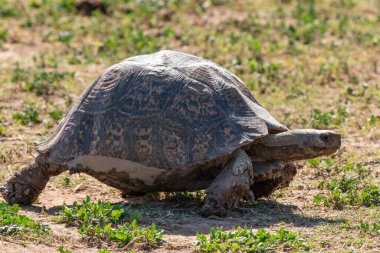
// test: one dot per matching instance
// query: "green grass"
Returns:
(61, 249)
(325, 120)
(3, 125)
(349, 192)
(309, 25)
(14, 224)
(29, 115)
(6, 10)
(371, 228)
(56, 114)
(345, 185)
(246, 240)
(41, 82)
(109, 222)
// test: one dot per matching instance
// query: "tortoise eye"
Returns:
(325, 138)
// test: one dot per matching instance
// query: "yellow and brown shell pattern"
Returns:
(159, 112)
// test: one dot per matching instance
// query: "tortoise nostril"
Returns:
(325, 138)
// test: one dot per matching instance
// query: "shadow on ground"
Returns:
(183, 218)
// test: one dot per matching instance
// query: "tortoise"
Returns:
(170, 121)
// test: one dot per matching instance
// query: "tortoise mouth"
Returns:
(319, 148)
(324, 150)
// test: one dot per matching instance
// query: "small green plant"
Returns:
(3, 36)
(358, 91)
(56, 114)
(101, 212)
(67, 5)
(30, 115)
(359, 169)
(6, 10)
(66, 181)
(372, 228)
(65, 36)
(245, 240)
(267, 74)
(374, 120)
(14, 224)
(40, 82)
(309, 25)
(328, 166)
(323, 165)
(103, 251)
(321, 119)
(3, 124)
(124, 234)
(106, 221)
(61, 249)
(346, 191)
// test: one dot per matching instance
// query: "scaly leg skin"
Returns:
(278, 176)
(230, 186)
(25, 186)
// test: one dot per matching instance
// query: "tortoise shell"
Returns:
(166, 110)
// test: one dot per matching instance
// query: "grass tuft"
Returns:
(30, 115)
(246, 240)
(346, 191)
(14, 224)
(40, 82)
(321, 119)
(109, 222)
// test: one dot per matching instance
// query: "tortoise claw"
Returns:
(249, 196)
(211, 208)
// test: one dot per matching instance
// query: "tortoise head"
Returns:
(298, 145)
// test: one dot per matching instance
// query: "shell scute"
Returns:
(146, 95)
(194, 107)
(175, 146)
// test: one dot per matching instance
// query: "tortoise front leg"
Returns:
(230, 186)
(25, 186)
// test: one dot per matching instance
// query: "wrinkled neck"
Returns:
(279, 140)
(276, 153)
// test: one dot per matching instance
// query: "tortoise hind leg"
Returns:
(230, 186)
(25, 186)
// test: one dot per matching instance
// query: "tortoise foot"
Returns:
(25, 186)
(19, 193)
(213, 208)
(230, 186)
